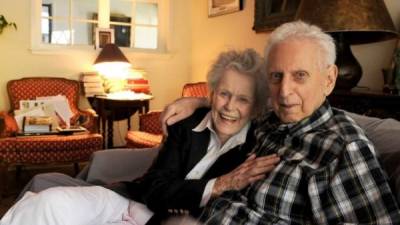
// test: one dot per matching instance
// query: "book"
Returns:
(91, 78)
(138, 85)
(37, 124)
(71, 129)
(92, 84)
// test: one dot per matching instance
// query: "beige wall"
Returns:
(166, 73)
(234, 31)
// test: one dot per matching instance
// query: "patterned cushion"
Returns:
(150, 122)
(49, 148)
(57, 148)
(198, 89)
(30, 88)
(8, 154)
(139, 139)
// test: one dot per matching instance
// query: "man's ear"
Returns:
(330, 81)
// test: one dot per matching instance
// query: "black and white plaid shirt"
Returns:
(328, 174)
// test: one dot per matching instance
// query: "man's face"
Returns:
(297, 83)
(232, 103)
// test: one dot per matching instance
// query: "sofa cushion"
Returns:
(385, 134)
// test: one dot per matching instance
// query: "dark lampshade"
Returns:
(111, 55)
(349, 22)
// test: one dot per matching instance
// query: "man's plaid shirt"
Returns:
(328, 174)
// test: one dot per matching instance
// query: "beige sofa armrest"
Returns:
(115, 165)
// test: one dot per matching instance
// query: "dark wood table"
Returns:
(112, 109)
(369, 103)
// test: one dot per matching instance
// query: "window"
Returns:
(46, 23)
(137, 24)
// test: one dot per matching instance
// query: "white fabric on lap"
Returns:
(68, 206)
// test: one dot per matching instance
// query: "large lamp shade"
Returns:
(111, 56)
(349, 22)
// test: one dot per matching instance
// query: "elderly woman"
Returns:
(203, 156)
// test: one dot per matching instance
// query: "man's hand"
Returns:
(180, 109)
(251, 170)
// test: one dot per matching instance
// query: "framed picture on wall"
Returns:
(269, 14)
(220, 7)
(103, 37)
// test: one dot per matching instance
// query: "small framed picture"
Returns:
(269, 14)
(103, 37)
(220, 7)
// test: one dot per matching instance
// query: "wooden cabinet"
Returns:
(369, 103)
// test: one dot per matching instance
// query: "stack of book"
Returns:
(138, 85)
(37, 124)
(92, 84)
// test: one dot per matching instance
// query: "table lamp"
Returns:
(349, 22)
(111, 57)
(113, 64)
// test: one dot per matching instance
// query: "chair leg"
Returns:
(18, 171)
(76, 168)
(3, 180)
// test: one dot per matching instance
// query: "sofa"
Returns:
(128, 164)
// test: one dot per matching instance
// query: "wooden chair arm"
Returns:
(8, 125)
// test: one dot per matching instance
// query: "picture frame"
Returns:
(269, 14)
(122, 31)
(221, 7)
(103, 36)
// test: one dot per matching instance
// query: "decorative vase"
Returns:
(396, 69)
(389, 85)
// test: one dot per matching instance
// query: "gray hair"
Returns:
(300, 29)
(247, 62)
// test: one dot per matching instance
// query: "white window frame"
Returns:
(163, 45)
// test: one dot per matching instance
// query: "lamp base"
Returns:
(350, 71)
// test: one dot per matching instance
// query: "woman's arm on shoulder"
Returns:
(181, 109)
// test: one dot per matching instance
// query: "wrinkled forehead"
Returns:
(294, 54)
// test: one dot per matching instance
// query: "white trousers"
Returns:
(92, 205)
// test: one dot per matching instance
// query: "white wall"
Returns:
(213, 35)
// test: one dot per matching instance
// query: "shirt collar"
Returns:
(320, 116)
(205, 123)
(271, 130)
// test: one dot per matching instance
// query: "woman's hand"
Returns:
(251, 170)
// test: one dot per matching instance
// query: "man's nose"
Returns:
(285, 86)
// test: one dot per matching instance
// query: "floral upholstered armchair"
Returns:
(150, 133)
(26, 150)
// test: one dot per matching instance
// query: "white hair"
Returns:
(300, 29)
(247, 62)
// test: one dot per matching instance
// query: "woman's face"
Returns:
(232, 103)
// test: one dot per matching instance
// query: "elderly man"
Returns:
(328, 173)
